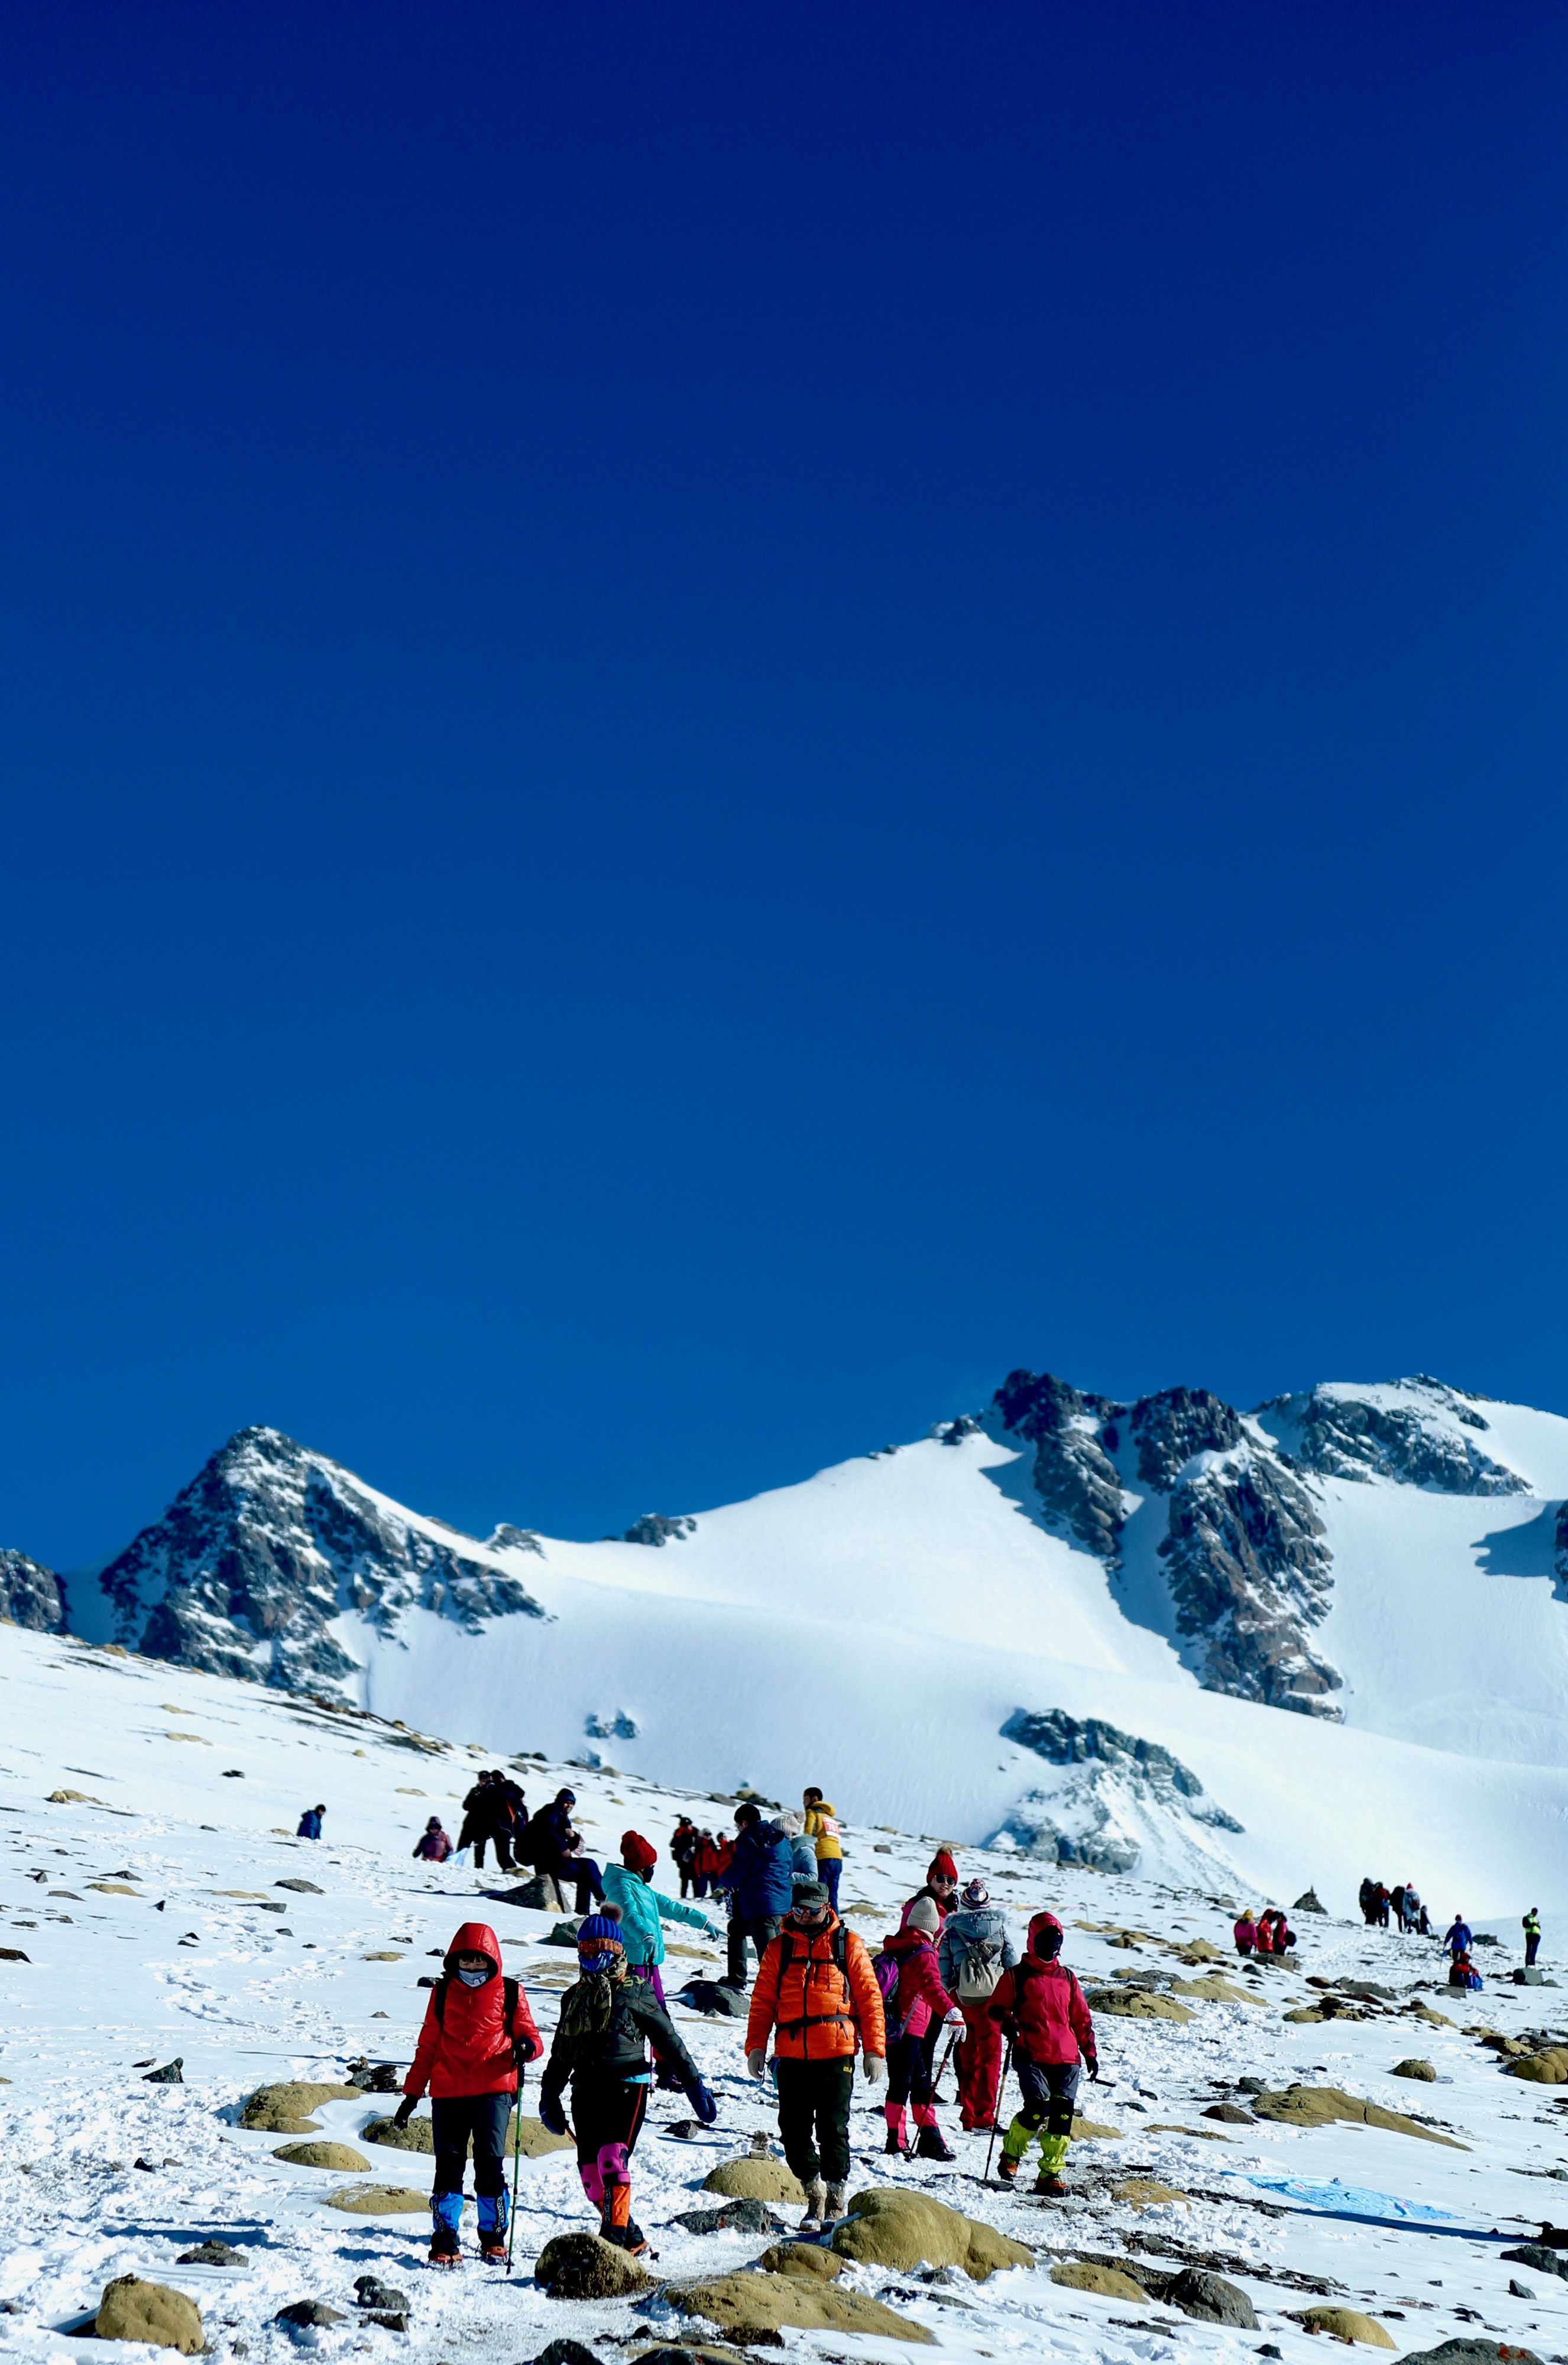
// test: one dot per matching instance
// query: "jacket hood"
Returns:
(1045, 1926)
(474, 1938)
(907, 1941)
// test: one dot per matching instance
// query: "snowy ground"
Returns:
(198, 1784)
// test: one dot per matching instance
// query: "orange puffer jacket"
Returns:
(818, 1989)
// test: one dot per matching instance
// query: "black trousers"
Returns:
(1049, 2089)
(814, 2117)
(911, 2070)
(456, 2117)
(761, 1929)
(1532, 1940)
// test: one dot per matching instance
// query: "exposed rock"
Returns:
(1145, 2192)
(1210, 2299)
(268, 1544)
(506, 1537)
(752, 2179)
(1308, 1902)
(379, 2201)
(312, 2312)
(212, 2253)
(305, 1887)
(745, 2306)
(1076, 1480)
(654, 1528)
(1545, 2068)
(286, 2110)
(1106, 2283)
(341, 2157)
(1113, 1788)
(1344, 2322)
(1173, 1426)
(133, 2310)
(802, 2259)
(1407, 1431)
(900, 2228)
(172, 2073)
(1545, 2262)
(1472, 2352)
(568, 2352)
(1230, 2114)
(31, 1594)
(618, 1727)
(745, 2216)
(714, 1999)
(1250, 1575)
(533, 2139)
(1137, 2003)
(371, 2292)
(1414, 2068)
(1318, 2106)
(579, 2266)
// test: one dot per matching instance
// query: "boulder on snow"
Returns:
(580, 2266)
(564, 1933)
(1309, 1902)
(747, 2306)
(743, 2216)
(378, 2200)
(172, 2073)
(1106, 2283)
(1318, 2106)
(286, 2110)
(802, 2259)
(1231, 2113)
(1423, 2070)
(1137, 2003)
(900, 2228)
(1145, 2191)
(568, 2352)
(305, 1887)
(212, 2253)
(133, 2310)
(307, 2312)
(533, 2139)
(1344, 2322)
(369, 2291)
(1548, 2067)
(1210, 2299)
(754, 2179)
(714, 2000)
(1544, 2260)
(540, 1895)
(1472, 2352)
(1093, 2131)
(341, 2157)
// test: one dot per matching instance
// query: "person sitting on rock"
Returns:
(432, 1844)
(1462, 1972)
(1042, 2011)
(477, 2030)
(601, 2047)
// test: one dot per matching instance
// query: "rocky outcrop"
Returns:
(1249, 1577)
(1113, 1800)
(1417, 1431)
(1077, 1481)
(31, 1594)
(507, 1538)
(253, 1562)
(654, 1528)
(1171, 1427)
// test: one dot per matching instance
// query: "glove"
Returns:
(405, 2111)
(701, 2101)
(1094, 2068)
(876, 2069)
(551, 2115)
(956, 2018)
(527, 2048)
(756, 2062)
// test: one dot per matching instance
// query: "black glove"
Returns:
(405, 2111)
(1093, 2060)
(701, 2101)
(551, 2115)
(526, 2048)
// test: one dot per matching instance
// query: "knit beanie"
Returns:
(923, 1915)
(976, 1894)
(598, 1942)
(635, 1853)
(942, 1864)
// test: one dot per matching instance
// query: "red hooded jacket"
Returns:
(468, 2050)
(920, 1995)
(1043, 2004)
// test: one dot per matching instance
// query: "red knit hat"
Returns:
(635, 1853)
(942, 1863)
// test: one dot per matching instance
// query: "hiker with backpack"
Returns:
(433, 1844)
(478, 2031)
(706, 1863)
(1458, 1937)
(1245, 1932)
(758, 1880)
(683, 1851)
(1042, 2010)
(822, 1830)
(941, 1884)
(916, 2008)
(816, 1989)
(601, 2048)
(975, 1950)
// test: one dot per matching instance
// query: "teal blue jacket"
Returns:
(641, 1908)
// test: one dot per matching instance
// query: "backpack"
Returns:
(979, 1968)
(888, 1968)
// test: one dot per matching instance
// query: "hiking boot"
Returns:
(1007, 2168)
(629, 2237)
(931, 2144)
(816, 2194)
(896, 2143)
(1050, 2186)
(444, 2251)
(492, 2250)
(833, 2204)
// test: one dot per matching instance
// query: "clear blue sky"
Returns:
(712, 719)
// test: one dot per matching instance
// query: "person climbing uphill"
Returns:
(601, 2047)
(919, 2006)
(1459, 1937)
(311, 1823)
(974, 1952)
(433, 1844)
(822, 1830)
(815, 1986)
(478, 2029)
(1041, 2008)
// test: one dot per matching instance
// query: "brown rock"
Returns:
(752, 2179)
(1414, 2068)
(579, 2266)
(133, 2310)
(378, 2200)
(1344, 2322)
(743, 2305)
(287, 2109)
(1107, 2282)
(900, 2228)
(1318, 2106)
(802, 2259)
(342, 2156)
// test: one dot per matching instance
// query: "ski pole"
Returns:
(996, 2115)
(516, 2160)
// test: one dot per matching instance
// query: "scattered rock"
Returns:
(748, 2306)
(341, 2157)
(1231, 2113)
(887, 2229)
(1308, 1902)
(1137, 2003)
(1145, 2191)
(564, 1933)
(752, 2179)
(1211, 2299)
(745, 2216)
(1317, 2106)
(302, 2312)
(802, 2259)
(533, 2139)
(572, 2352)
(305, 1887)
(1251, 2085)
(133, 2310)
(379, 2201)
(1472, 2352)
(1549, 2067)
(579, 2266)
(1344, 2322)
(1536, 2255)
(85, 1798)
(371, 2292)
(714, 1999)
(1414, 2068)
(15, 1954)
(286, 2110)
(212, 2253)
(1518, 2290)
(381, 1955)
(1109, 2282)
(1093, 2131)
(389, 2319)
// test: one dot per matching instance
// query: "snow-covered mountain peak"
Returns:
(1418, 1432)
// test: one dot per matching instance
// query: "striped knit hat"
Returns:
(598, 1942)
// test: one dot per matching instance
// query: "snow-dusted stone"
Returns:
(1344, 2322)
(897, 2228)
(1414, 2068)
(133, 2310)
(754, 2179)
(745, 2305)
(341, 2157)
(30, 1594)
(286, 2110)
(378, 2200)
(1106, 2283)
(1210, 2299)
(580, 2266)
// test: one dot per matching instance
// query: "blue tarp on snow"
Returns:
(1326, 2197)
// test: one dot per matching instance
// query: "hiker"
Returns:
(477, 2030)
(758, 1884)
(1410, 1911)
(600, 2047)
(496, 1819)
(683, 1853)
(432, 1844)
(1459, 1937)
(548, 1837)
(705, 1862)
(915, 2012)
(1532, 1926)
(311, 1823)
(1366, 1897)
(975, 1950)
(1274, 1935)
(1424, 1925)
(630, 1892)
(1396, 1900)
(1462, 1972)
(941, 1883)
(575, 1866)
(803, 1851)
(816, 1988)
(822, 1830)
(1382, 1906)
(474, 1829)
(1245, 1931)
(1041, 2008)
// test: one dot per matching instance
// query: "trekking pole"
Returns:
(996, 2115)
(516, 2161)
(936, 2082)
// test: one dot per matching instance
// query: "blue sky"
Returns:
(713, 720)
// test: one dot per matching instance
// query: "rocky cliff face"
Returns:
(1422, 1434)
(251, 1562)
(1108, 1795)
(30, 1594)
(1077, 1481)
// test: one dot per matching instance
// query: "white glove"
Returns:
(756, 2062)
(876, 2069)
(956, 2018)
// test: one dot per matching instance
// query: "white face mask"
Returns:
(472, 1979)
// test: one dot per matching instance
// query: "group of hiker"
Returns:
(1379, 1902)
(1264, 1932)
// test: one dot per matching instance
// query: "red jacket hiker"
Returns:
(920, 1996)
(468, 2050)
(1043, 2004)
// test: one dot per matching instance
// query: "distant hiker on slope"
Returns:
(803, 1850)
(1366, 1897)
(546, 1842)
(1532, 1925)
(1413, 1910)
(1245, 1932)
(822, 1830)
(816, 1987)
(1042, 2009)
(759, 1882)
(472, 1831)
(432, 1844)
(1459, 1937)
(974, 1952)
(311, 1823)
(600, 2047)
(683, 1851)
(915, 2012)
(478, 2029)
(706, 1863)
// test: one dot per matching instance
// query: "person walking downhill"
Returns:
(478, 2029)
(1041, 2008)
(311, 1823)
(758, 1880)
(915, 2015)
(1532, 1937)
(432, 1844)
(975, 1950)
(941, 1883)
(601, 2047)
(816, 1988)
(822, 1830)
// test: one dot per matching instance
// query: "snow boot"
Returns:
(446, 2215)
(895, 2142)
(493, 2215)
(1053, 2159)
(1007, 2168)
(931, 2144)
(629, 2237)
(816, 2194)
(894, 2113)
(1050, 2186)
(833, 2204)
